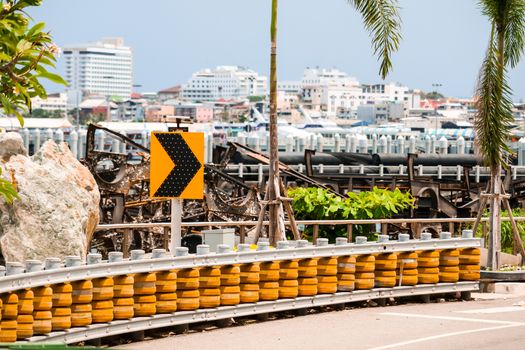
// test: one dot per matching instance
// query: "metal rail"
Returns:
(97, 331)
(303, 222)
(68, 274)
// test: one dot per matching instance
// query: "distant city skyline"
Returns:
(443, 42)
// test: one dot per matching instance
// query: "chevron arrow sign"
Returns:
(176, 165)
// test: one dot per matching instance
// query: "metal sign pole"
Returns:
(176, 219)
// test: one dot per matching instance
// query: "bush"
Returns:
(318, 204)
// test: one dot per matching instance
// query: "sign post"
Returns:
(177, 173)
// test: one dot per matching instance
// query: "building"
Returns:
(380, 112)
(172, 93)
(224, 82)
(53, 102)
(330, 90)
(99, 68)
(158, 113)
(198, 112)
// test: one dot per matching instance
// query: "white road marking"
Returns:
(493, 310)
(450, 318)
(444, 335)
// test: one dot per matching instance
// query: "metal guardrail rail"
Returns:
(34, 279)
(97, 331)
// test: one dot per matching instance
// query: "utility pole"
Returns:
(436, 87)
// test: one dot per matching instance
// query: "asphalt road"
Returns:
(480, 324)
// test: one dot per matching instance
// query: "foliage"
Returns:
(25, 54)
(494, 104)
(507, 238)
(43, 113)
(381, 19)
(7, 189)
(319, 204)
(256, 98)
(433, 95)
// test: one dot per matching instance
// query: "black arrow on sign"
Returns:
(186, 165)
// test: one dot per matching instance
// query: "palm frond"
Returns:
(381, 19)
(514, 32)
(494, 106)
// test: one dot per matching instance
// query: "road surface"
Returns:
(480, 324)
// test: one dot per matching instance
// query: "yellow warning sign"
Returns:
(176, 165)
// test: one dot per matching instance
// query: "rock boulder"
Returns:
(58, 208)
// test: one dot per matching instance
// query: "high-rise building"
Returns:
(227, 82)
(99, 68)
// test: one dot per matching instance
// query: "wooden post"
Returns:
(315, 234)
(349, 231)
(384, 229)
(166, 239)
(515, 231)
(126, 242)
(242, 233)
(451, 228)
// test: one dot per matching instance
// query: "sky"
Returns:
(444, 41)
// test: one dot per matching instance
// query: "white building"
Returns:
(53, 102)
(226, 82)
(100, 68)
(335, 93)
(330, 90)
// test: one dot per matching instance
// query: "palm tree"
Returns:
(381, 19)
(494, 104)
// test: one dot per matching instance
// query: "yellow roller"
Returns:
(407, 260)
(166, 307)
(249, 292)
(230, 295)
(326, 284)
(61, 318)
(365, 263)
(307, 268)
(448, 277)
(465, 259)
(250, 273)
(409, 278)
(9, 306)
(361, 284)
(123, 308)
(307, 286)
(82, 292)
(24, 328)
(188, 279)
(25, 302)
(384, 282)
(8, 333)
(380, 273)
(187, 300)
(81, 315)
(103, 288)
(43, 299)
(230, 275)
(42, 322)
(144, 284)
(346, 264)
(166, 282)
(209, 298)
(427, 278)
(123, 286)
(288, 288)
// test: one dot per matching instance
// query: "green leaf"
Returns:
(55, 78)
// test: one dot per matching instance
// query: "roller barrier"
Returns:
(72, 301)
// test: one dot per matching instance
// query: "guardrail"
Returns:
(54, 273)
(439, 171)
(453, 225)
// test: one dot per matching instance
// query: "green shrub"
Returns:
(318, 204)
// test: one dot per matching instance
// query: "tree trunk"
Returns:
(495, 201)
(495, 218)
(276, 231)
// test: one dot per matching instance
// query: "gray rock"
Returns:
(11, 144)
(58, 208)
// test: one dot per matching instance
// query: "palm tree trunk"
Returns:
(495, 202)
(276, 232)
